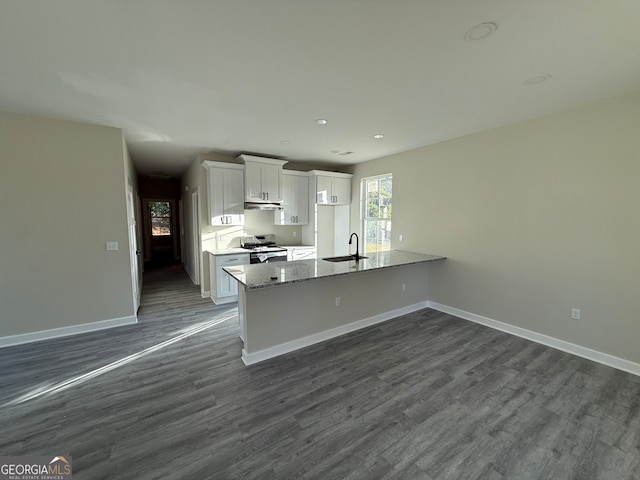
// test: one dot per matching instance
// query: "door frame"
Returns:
(196, 244)
(134, 253)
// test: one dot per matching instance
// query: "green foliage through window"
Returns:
(160, 213)
(377, 196)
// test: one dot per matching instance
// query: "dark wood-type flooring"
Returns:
(424, 396)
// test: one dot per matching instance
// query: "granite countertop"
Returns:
(281, 273)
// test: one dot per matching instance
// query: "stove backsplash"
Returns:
(255, 223)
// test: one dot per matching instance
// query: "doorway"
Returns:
(161, 233)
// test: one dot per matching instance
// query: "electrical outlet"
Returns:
(404, 287)
(575, 313)
(400, 237)
(112, 246)
(295, 233)
(337, 301)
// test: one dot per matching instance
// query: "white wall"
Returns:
(536, 218)
(62, 188)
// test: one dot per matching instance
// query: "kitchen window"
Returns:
(376, 213)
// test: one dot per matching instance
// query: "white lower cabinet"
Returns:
(224, 289)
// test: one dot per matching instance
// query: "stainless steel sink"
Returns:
(344, 258)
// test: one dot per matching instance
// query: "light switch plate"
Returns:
(112, 246)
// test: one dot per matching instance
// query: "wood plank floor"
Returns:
(424, 396)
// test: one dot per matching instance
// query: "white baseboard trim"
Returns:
(224, 300)
(293, 345)
(191, 276)
(11, 340)
(206, 294)
(578, 350)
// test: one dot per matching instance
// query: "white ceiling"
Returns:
(185, 76)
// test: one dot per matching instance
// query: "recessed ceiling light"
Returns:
(284, 142)
(535, 80)
(321, 121)
(480, 31)
(378, 136)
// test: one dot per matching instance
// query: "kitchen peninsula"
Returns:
(286, 306)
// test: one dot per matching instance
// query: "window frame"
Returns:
(169, 216)
(364, 218)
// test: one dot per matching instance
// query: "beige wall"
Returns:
(536, 218)
(62, 188)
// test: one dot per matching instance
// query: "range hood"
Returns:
(262, 206)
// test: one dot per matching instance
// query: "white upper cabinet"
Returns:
(263, 179)
(332, 188)
(295, 192)
(225, 183)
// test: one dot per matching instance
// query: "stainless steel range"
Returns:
(263, 248)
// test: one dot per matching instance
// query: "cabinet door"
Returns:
(301, 199)
(287, 215)
(226, 204)
(324, 190)
(253, 182)
(295, 194)
(341, 191)
(216, 196)
(234, 200)
(226, 286)
(271, 182)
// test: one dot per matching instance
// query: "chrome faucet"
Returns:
(357, 254)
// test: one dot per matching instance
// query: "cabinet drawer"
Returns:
(226, 260)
